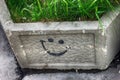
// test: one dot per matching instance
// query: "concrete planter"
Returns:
(63, 45)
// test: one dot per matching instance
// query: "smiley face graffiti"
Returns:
(51, 40)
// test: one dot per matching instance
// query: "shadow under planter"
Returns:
(63, 45)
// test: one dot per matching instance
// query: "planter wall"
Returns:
(63, 45)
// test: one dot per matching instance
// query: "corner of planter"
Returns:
(5, 18)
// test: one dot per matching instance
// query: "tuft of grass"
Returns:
(59, 10)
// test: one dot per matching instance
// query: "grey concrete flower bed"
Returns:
(63, 45)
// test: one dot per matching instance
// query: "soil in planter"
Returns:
(59, 10)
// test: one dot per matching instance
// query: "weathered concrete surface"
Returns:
(89, 52)
(8, 71)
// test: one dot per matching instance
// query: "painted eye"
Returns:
(51, 40)
(61, 42)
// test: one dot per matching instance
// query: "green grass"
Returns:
(59, 10)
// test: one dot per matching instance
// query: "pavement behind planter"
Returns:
(110, 74)
(8, 66)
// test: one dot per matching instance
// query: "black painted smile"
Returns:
(52, 53)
